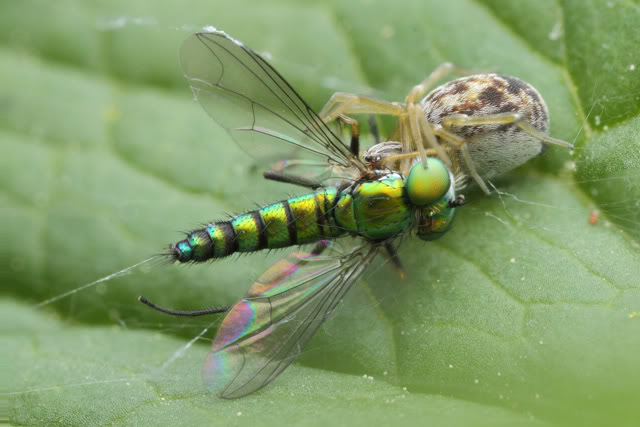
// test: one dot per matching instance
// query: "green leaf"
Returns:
(526, 313)
(86, 376)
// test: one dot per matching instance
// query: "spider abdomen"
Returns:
(494, 148)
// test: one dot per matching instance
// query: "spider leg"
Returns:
(459, 144)
(418, 91)
(501, 119)
(444, 132)
(348, 103)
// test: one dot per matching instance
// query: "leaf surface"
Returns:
(526, 313)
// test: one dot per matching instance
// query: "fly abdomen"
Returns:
(296, 221)
(214, 241)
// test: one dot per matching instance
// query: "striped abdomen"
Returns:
(295, 221)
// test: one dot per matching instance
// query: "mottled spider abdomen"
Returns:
(494, 148)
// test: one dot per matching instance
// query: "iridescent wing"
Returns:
(254, 103)
(267, 330)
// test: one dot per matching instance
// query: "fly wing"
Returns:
(254, 103)
(267, 330)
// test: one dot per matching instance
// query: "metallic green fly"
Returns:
(267, 329)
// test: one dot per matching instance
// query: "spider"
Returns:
(482, 125)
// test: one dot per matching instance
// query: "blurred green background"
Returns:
(525, 314)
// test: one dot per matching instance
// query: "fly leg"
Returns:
(288, 178)
(373, 127)
(317, 250)
(196, 313)
(354, 146)
(277, 172)
(392, 254)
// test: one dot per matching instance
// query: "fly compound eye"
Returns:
(428, 185)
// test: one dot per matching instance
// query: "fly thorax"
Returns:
(375, 209)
